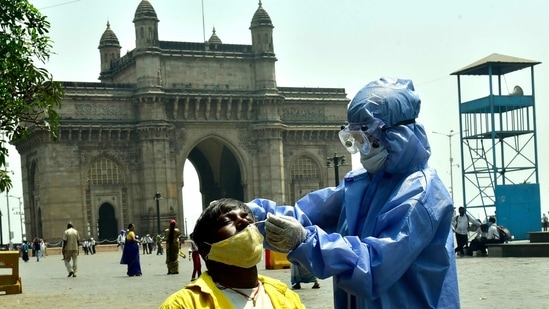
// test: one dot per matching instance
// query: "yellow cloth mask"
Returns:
(244, 249)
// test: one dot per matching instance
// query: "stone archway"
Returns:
(107, 225)
(218, 171)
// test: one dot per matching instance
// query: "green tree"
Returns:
(28, 95)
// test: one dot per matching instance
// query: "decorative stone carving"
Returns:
(113, 111)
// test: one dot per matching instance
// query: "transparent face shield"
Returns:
(360, 137)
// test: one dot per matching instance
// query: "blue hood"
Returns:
(395, 102)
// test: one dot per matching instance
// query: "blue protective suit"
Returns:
(386, 238)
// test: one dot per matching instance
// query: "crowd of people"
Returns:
(89, 246)
(37, 249)
(472, 235)
(129, 243)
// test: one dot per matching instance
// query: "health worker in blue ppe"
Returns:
(384, 233)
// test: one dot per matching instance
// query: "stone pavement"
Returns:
(102, 283)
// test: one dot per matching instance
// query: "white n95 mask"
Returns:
(373, 161)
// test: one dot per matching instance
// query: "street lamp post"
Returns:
(157, 197)
(335, 161)
(9, 222)
(20, 214)
(450, 135)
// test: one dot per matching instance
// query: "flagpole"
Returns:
(203, 25)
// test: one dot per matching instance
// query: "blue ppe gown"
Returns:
(386, 239)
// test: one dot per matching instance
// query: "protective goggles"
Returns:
(360, 137)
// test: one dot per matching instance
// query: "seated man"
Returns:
(231, 245)
(488, 235)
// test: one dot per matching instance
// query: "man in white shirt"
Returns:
(461, 225)
(493, 234)
(121, 240)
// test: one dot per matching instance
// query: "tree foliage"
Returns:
(28, 95)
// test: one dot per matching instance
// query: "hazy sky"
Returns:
(339, 43)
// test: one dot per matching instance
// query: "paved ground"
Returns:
(102, 283)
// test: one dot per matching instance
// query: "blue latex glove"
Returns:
(284, 233)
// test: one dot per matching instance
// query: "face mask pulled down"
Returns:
(373, 161)
(244, 249)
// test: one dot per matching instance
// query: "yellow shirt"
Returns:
(130, 236)
(203, 293)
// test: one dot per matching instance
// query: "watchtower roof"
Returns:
(499, 64)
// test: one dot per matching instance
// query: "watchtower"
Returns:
(499, 158)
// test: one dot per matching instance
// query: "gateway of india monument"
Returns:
(124, 141)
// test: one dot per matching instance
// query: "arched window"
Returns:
(305, 168)
(305, 177)
(105, 172)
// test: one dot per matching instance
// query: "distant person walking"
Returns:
(43, 246)
(461, 224)
(544, 222)
(36, 248)
(159, 248)
(150, 243)
(71, 239)
(86, 247)
(172, 248)
(121, 239)
(24, 251)
(130, 255)
(145, 245)
(92, 245)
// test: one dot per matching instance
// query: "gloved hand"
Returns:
(284, 233)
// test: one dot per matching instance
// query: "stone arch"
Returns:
(106, 185)
(219, 168)
(305, 176)
(107, 224)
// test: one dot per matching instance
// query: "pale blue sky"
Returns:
(339, 43)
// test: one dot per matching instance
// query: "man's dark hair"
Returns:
(492, 220)
(205, 229)
(69, 225)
